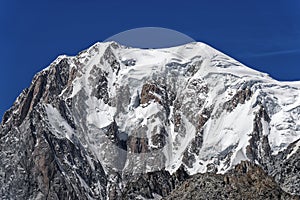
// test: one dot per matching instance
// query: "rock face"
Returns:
(245, 181)
(160, 183)
(285, 168)
(120, 123)
(38, 162)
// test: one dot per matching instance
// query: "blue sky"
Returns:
(263, 34)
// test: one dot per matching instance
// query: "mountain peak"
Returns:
(111, 114)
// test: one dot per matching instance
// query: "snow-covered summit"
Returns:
(181, 86)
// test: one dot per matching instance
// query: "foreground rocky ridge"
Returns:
(245, 181)
(116, 123)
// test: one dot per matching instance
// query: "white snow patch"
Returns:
(58, 123)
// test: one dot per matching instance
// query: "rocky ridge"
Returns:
(245, 181)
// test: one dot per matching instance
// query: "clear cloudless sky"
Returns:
(263, 34)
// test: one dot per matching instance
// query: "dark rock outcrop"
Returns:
(159, 182)
(150, 92)
(259, 149)
(245, 181)
(285, 168)
(239, 98)
(39, 165)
